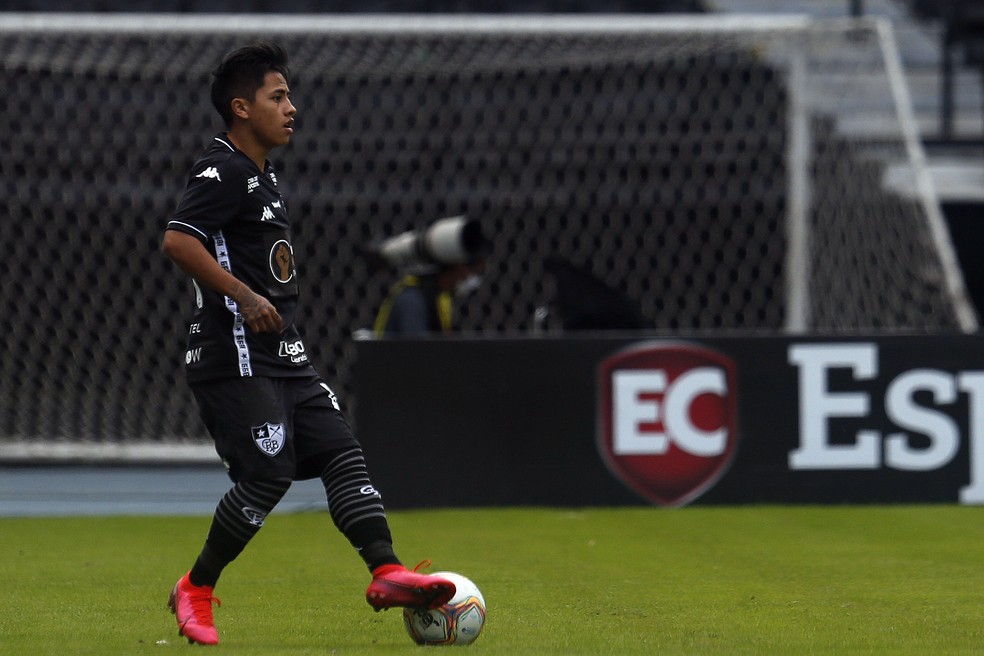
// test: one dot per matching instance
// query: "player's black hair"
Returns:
(242, 72)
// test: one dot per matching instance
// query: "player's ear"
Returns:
(240, 108)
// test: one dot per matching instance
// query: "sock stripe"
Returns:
(346, 481)
(349, 459)
(238, 516)
(347, 513)
(243, 508)
(351, 519)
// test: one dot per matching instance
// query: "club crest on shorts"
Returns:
(269, 438)
(667, 424)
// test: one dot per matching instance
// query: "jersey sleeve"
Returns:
(211, 199)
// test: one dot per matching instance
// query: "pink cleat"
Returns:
(395, 585)
(192, 606)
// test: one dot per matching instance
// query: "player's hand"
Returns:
(259, 313)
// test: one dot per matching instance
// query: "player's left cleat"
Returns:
(395, 585)
(192, 607)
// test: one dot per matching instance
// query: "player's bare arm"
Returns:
(194, 259)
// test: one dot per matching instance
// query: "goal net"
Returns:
(721, 173)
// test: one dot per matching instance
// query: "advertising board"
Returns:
(670, 421)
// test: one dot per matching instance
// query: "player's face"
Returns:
(271, 114)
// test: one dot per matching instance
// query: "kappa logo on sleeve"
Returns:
(667, 419)
(269, 438)
(211, 172)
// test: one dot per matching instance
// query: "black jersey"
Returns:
(239, 214)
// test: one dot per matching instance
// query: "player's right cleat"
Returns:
(192, 607)
(395, 585)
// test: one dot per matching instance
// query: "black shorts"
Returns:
(265, 427)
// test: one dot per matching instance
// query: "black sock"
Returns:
(357, 509)
(379, 553)
(207, 568)
(238, 516)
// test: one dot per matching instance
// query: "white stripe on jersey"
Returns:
(238, 329)
(187, 225)
(225, 144)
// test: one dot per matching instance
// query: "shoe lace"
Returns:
(424, 564)
(201, 605)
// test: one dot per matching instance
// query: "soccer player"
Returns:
(272, 418)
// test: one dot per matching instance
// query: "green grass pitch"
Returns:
(698, 580)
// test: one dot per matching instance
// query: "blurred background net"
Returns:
(659, 162)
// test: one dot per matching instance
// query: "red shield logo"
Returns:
(668, 423)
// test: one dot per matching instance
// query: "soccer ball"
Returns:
(457, 622)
